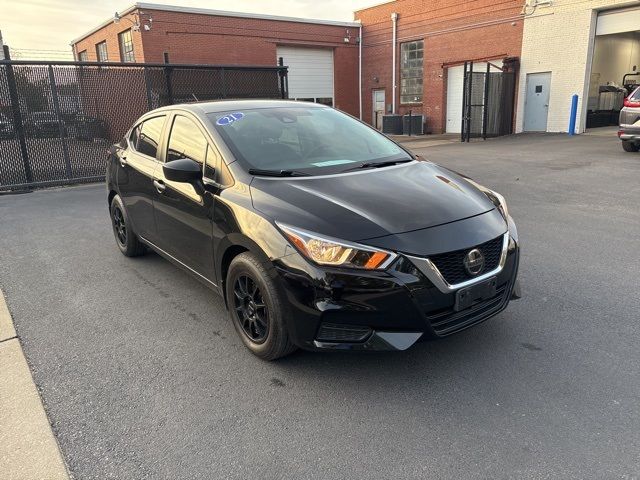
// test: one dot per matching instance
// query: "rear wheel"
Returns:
(126, 239)
(257, 308)
(628, 146)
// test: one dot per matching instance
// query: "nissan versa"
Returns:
(318, 231)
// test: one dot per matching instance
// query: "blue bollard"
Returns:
(574, 113)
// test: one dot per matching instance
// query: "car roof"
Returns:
(216, 106)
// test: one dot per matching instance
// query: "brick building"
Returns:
(433, 40)
(329, 60)
(322, 55)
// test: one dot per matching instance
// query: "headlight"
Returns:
(337, 253)
(497, 199)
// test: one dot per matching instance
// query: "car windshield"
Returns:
(307, 139)
(635, 95)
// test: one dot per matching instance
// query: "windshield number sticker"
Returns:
(229, 119)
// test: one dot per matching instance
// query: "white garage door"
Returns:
(618, 21)
(455, 86)
(310, 73)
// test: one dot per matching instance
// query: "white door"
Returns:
(378, 108)
(455, 87)
(455, 84)
(536, 107)
(310, 74)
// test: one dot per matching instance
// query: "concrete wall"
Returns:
(560, 39)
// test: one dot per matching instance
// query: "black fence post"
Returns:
(17, 115)
(485, 102)
(147, 84)
(464, 102)
(410, 121)
(167, 76)
(61, 126)
(223, 83)
(282, 78)
(285, 94)
(470, 94)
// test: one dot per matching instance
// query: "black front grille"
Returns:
(451, 264)
(448, 320)
(331, 332)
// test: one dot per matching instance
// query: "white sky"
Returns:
(52, 24)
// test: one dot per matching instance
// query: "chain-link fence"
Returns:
(58, 119)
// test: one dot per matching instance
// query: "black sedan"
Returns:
(318, 231)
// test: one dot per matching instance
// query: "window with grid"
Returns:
(411, 71)
(101, 52)
(82, 56)
(126, 46)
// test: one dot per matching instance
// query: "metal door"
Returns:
(378, 108)
(536, 109)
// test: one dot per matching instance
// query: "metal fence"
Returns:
(57, 119)
(488, 101)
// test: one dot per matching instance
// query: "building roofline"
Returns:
(216, 13)
(375, 5)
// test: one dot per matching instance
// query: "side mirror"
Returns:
(182, 170)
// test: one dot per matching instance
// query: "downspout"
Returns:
(360, 70)
(394, 20)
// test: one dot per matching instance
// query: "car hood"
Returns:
(370, 203)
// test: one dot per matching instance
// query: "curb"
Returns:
(28, 447)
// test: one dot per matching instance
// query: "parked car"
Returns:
(6, 127)
(629, 130)
(43, 124)
(318, 231)
(85, 127)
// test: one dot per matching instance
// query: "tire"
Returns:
(126, 239)
(257, 308)
(628, 146)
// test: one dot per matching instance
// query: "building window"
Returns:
(82, 56)
(411, 71)
(126, 46)
(101, 52)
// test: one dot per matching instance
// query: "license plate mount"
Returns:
(467, 297)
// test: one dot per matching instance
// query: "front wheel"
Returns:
(628, 146)
(126, 239)
(257, 308)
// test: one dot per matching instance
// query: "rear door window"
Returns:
(635, 95)
(145, 137)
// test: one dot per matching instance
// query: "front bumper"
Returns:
(389, 310)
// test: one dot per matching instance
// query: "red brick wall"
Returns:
(110, 34)
(207, 39)
(453, 31)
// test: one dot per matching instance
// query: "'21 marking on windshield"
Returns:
(229, 119)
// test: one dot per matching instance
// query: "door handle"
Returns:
(160, 186)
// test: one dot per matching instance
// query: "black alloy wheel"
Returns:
(126, 239)
(119, 226)
(257, 307)
(250, 308)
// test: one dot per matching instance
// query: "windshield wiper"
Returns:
(379, 164)
(277, 173)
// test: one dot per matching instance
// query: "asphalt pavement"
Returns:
(142, 375)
